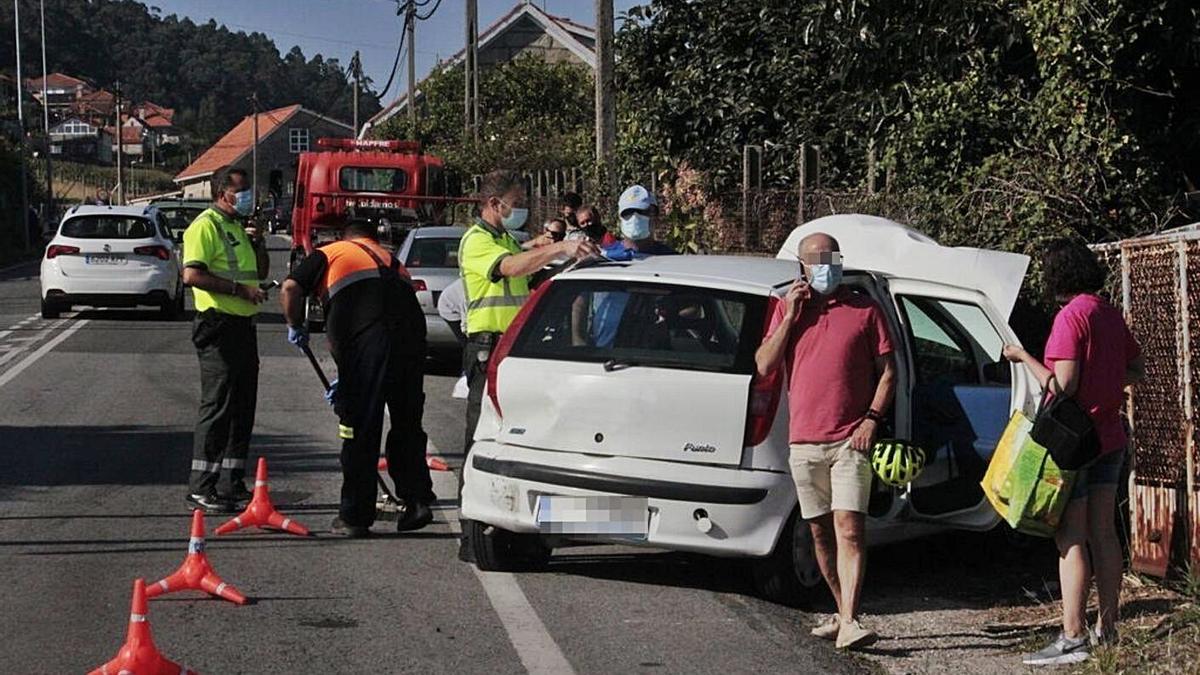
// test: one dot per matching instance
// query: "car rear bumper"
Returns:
(438, 334)
(136, 286)
(747, 508)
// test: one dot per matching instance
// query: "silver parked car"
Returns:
(430, 254)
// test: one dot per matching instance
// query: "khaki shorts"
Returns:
(830, 477)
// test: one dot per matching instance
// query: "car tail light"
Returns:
(159, 252)
(504, 346)
(419, 285)
(764, 394)
(55, 250)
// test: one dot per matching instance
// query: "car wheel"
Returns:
(172, 310)
(498, 550)
(50, 311)
(790, 574)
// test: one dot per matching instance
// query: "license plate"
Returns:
(612, 516)
(104, 259)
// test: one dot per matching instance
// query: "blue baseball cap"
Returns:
(635, 197)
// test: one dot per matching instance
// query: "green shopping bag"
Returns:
(1035, 491)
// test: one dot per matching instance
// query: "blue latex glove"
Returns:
(331, 393)
(298, 336)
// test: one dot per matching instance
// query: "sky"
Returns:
(335, 28)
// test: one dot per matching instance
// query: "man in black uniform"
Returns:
(376, 333)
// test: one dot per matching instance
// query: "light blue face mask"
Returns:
(636, 227)
(515, 218)
(244, 202)
(825, 277)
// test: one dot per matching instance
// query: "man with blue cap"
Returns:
(638, 212)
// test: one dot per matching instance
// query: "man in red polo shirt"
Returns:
(841, 379)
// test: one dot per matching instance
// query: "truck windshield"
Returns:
(107, 227)
(372, 179)
(629, 325)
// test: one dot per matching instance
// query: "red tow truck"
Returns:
(389, 183)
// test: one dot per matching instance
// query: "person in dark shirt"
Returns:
(376, 333)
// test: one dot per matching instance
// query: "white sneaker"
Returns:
(852, 635)
(1063, 651)
(829, 629)
(461, 390)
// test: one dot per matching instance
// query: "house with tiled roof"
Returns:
(61, 91)
(526, 29)
(283, 133)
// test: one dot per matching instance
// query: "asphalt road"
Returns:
(96, 414)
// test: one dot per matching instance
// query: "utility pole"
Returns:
(120, 197)
(23, 221)
(48, 212)
(606, 113)
(410, 25)
(356, 71)
(254, 160)
(471, 63)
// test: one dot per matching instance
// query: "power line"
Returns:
(435, 8)
(399, 49)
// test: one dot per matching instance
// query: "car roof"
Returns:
(91, 210)
(202, 203)
(732, 272)
(438, 231)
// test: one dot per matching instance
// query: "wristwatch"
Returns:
(874, 415)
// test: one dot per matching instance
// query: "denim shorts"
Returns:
(1105, 471)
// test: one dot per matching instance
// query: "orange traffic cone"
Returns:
(138, 654)
(261, 512)
(434, 463)
(196, 574)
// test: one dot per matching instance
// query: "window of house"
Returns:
(298, 140)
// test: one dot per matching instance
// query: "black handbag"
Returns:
(1065, 429)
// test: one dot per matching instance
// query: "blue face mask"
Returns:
(825, 277)
(636, 227)
(515, 218)
(244, 202)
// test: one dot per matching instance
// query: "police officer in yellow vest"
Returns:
(495, 273)
(223, 263)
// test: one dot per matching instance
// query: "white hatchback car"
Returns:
(112, 256)
(644, 423)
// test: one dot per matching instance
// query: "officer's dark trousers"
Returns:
(372, 373)
(228, 349)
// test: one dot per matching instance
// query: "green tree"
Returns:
(536, 115)
(1004, 121)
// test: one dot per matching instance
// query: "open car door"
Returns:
(961, 396)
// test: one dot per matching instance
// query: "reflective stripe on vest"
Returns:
(235, 272)
(348, 263)
(491, 308)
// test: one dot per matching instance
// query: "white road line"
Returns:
(41, 351)
(536, 648)
(19, 350)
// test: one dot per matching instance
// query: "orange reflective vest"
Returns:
(350, 261)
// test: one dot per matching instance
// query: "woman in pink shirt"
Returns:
(1092, 356)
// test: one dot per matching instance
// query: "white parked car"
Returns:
(666, 438)
(112, 256)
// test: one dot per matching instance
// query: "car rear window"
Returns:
(179, 217)
(626, 324)
(431, 252)
(107, 227)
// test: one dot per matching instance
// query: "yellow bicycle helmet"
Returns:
(896, 462)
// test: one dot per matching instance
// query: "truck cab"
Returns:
(389, 183)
